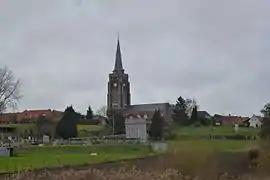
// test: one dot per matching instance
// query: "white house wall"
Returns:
(255, 122)
(136, 128)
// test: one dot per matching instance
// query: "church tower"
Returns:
(118, 86)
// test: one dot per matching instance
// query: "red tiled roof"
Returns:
(231, 119)
(29, 114)
(36, 113)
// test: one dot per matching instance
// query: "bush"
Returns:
(170, 136)
(233, 137)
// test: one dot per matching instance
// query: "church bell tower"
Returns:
(118, 96)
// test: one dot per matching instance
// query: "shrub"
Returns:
(170, 136)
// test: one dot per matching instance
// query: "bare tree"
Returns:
(191, 103)
(102, 111)
(9, 89)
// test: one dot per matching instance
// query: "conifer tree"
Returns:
(156, 131)
(67, 126)
(194, 116)
(265, 129)
(179, 112)
(89, 113)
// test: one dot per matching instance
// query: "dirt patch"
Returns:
(235, 163)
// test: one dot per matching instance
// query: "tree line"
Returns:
(67, 126)
(180, 114)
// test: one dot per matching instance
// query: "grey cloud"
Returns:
(214, 51)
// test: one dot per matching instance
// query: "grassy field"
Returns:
(40, 157)
(89, 127)
(83, 130)
(219, 130)
(210, 145)
(20, 129)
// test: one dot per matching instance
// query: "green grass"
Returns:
(19, 126)
(210, 145)
(42, 157)
(82, 133)
(219, 130)
(89, 127)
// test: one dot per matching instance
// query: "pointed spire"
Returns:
(118, 67)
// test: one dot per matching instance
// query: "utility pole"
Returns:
(113, 124)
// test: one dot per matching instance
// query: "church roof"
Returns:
(146, 111)
(148, 107)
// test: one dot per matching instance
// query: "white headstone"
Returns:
(4, 152)
(236, 127)
(56, 143)
(159, 146)
(45, 139)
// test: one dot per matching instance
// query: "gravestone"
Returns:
(56, 142)
(159, 146)
(236, 127)
(45, 139)
(4, 152)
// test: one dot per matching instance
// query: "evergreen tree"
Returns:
(156, 130)
(89, 113)
(67, 126)
(194, 116)
(117, 122)
(266, 110)
(179, 112)
(265, 129)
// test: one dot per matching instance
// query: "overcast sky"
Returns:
(216, 51)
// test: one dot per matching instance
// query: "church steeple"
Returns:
(118, 67)
(118, 96)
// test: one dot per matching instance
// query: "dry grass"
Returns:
(130, 174)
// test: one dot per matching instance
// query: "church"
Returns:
(119, 96)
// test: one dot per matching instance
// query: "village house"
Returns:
(229, 120)
(30, 115)
(255, 121)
